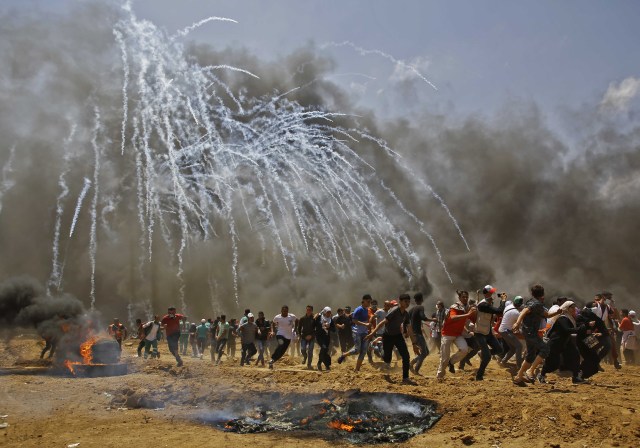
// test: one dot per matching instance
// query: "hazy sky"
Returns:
(478, 54)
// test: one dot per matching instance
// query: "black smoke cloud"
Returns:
(534, 206)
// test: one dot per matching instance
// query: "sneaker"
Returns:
(451, 368)
(409, 382)
(577, 380)
(617, 365)
(179, 363)
(479, 378)
(341, 359)
(542, 379)
(271, 365)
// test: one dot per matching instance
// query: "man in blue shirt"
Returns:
(360, 329)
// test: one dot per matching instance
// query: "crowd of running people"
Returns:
(525, 334)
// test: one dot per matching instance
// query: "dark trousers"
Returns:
(397, 341)
(568, 353)
(220, 345)
(248, 350)
(485, 341)
(141, 345)
(283, 345)
(325, 348)
(50, 344)
(172, 341)
(344, 339)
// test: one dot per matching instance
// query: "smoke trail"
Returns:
(7, 182)
(83, 193)
(365, 52)
(55, 278)
(93, 243)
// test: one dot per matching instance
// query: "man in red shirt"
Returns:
(171, 325)
(452, 329)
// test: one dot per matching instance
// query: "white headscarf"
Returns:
(565, 311)
(325, 321)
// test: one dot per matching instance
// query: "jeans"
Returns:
(184, 343)
(283, 344)
(515, 347)
(147, 348)
(221, 344)
(202, 342)
(360, 345)
(261, 345)
(306, 348)
(397, 341)
(424, 351)
(445, 352)
(486, 340)
(172, 341)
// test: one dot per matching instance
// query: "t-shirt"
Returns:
(285, 325)
(201, 331)
(626, 324)
(248, 332)
(343, 320)
(509, 318)
(153, 333)
(361, 314)
(380, 315)
(531, 322)
(416, 316)
(451, 327)
(172, 324)
(264, 327)
(223, 330)
(395, 318)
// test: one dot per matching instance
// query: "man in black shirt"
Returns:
(395, 324)
(343, 324)
(264, 327)
(416, 317)
(305, 329)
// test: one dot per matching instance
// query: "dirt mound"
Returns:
(159, 398)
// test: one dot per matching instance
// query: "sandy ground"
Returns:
(55, 411)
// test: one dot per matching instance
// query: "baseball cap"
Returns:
(488, 289)
(393, 302)
(250, 315)
(203, 320)
(518, 300)
(632, 313)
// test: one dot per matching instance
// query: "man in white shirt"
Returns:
(282, 328)
(151, 339)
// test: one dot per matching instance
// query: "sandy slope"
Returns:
(53, 411)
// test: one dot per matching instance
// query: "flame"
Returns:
(337, 424)
(86, 351)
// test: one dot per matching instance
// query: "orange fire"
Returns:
(337, 424)
(85, 351)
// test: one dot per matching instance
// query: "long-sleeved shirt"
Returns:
(306, 326)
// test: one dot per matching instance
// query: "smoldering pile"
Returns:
(61, 320)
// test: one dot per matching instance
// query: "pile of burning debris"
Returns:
(62, 321)
(357, 417)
